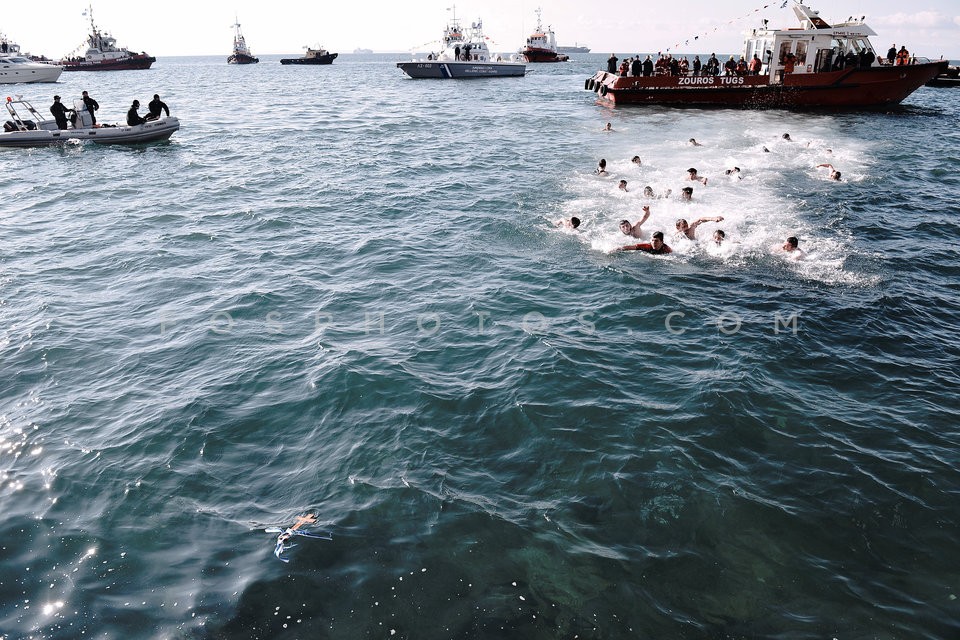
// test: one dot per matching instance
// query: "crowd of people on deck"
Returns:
(61, 113)
(668, 65)
(685, 230)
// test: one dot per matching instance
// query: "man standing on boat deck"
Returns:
(92, 106)
(59, 112)
(156, 106)
(612, 63)
(892, 54)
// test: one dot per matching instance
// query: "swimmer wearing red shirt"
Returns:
(655, 246)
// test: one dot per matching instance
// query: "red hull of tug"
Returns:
(137, 61)
(543, 55)
(848, 88)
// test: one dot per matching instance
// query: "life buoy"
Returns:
(603, 89)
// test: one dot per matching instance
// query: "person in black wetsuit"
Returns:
(133, 118)
(59, 112)
(156, 106)
(92, 107)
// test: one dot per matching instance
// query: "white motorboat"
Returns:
(463, 54)
(27, 127)
(17, 68)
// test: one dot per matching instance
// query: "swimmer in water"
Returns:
(719, 236)
(792, 248)
(787, 137)
(283, 540)
(734, 173)
(834, 174)
(609, 127)
(655, 246)
(623, 185)
(649, 193)
(686, 193)
(568, 223)
(634, 229)
(601, 167)
(692, 175)
(694, 143)
(636, 160)
(690, 230)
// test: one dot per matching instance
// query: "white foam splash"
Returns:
(760, 209)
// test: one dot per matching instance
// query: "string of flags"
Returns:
(783, 5)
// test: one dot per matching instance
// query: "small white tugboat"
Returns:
(542, 45)
(463, 54)
(241, 52)
(27, 127)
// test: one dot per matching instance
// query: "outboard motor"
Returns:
(83, 119)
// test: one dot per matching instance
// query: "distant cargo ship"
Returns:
(573, 49)
(362, 51)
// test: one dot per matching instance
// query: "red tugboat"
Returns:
(103, 54)
(542, 45)
(815, 66)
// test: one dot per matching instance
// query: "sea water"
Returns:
(340, 291)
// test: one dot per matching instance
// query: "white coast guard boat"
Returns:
(463, 54)
(27, 127)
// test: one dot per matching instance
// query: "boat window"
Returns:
(824, 60)
(802, 52)
(784, 50)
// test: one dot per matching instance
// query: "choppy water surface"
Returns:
(340, 291)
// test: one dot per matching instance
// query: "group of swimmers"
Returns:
(684, 229)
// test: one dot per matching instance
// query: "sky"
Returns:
(929, 28)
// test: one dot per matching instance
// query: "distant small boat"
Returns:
(241, 53)
(542, 45)
(313, 56)
(103, 54)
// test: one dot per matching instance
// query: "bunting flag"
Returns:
(715, 29)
